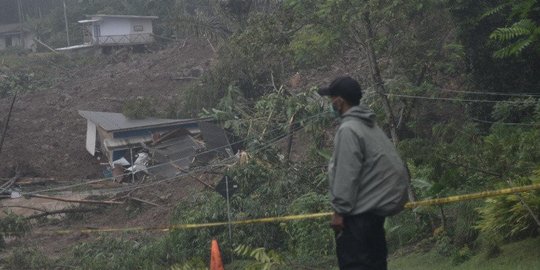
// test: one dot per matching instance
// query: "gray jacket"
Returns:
(365, 172)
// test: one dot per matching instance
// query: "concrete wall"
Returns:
(141, 26)
(16, 41)
(123, 31)
(2, 43)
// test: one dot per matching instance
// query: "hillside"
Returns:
(454, 85)
(46, 135)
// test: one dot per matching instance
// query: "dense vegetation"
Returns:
(455, 83)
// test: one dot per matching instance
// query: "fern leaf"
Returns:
(513, 49)
(519, 46)
(495, 10)
(509, 33)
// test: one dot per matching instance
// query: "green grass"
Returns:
(522, 255)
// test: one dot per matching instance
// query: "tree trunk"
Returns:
(290, 139)
(380, 89)
(377, 79)
(443, 217)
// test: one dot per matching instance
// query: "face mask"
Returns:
(335, 109)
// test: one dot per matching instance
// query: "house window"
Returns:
(138, 28)
(9, 41)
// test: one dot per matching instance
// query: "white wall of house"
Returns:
(141, 26)
(29, 42)
(16, 41)
(2, 43)
(121, 31)
(114, 26)
(91, 137)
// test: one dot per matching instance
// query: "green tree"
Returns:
(522, 29)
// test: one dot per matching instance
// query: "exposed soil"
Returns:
(46, 135)
(46, 138)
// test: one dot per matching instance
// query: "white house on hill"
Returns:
(113, 30)
(13, 35)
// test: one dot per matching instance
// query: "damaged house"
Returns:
(170, 145)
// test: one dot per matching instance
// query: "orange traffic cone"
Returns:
(215, 257)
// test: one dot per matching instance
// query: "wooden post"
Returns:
(21, 29)
(66, 22)
(132, 165)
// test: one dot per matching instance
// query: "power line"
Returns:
(492, 93)
(273, 140)
(454, 99)
(202, 169)
(188, 173)
(505, 123)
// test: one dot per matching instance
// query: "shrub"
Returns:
(192, 244)
(11, 83)
(116, 253)
(462, 255)
(139, 108)
(312, 46)
(444, 246)
(28, 258)
(13, 226)
(490, 245)
(462, 225)
(508, 218)
(310, 238)
(402, 230)
(263, 259)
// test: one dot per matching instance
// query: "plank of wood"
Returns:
(75, 201)
(34, 181)
(144, 201)
(63, 211)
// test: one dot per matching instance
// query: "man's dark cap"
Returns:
(345, 87)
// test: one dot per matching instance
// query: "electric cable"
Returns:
(505, 123)
(164, 164)
(454, 99)
(492, 93)
(196, 170)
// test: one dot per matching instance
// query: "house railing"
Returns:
(124, 39)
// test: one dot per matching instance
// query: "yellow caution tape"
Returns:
(472, 196)
(451, 199)
(198, 226)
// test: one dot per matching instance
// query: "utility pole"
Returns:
(66, 21)
(21, 34)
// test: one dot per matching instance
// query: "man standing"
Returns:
(368, 180)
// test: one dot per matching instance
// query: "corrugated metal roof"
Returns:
(215, 138)
(173, 155)
(122, 16)
(119, 122)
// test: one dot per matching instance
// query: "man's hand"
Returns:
(337, 222)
